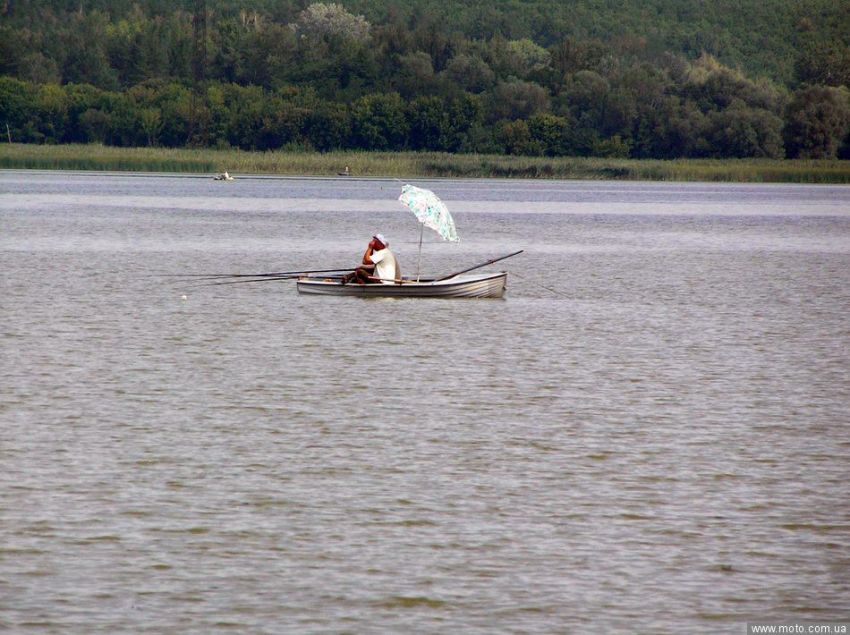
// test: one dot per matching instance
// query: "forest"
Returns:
(666, 79)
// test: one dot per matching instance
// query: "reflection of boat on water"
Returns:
(224, 176)
(482, 285)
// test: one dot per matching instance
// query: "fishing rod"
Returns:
(265, 279)
(483, 264)
(203, 276)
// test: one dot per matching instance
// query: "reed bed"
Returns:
(415, 164)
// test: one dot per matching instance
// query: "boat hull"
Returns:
(473, 286)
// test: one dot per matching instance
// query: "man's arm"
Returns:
(367, 256)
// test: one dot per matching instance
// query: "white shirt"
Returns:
(385, 265)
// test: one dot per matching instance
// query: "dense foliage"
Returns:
(670, 78)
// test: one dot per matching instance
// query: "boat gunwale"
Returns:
(440, 288)
(408, 282)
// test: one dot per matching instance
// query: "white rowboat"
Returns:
(482, 285)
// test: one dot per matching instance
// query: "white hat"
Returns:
(382, 239)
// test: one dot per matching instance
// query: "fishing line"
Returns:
(549, 289)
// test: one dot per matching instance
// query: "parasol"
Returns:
(431, 212)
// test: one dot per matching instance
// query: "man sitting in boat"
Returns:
(379, 264)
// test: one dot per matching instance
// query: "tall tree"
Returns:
(378, 122)
(818, 121)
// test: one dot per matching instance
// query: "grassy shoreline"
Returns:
(416, 164)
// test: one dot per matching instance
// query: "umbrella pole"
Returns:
(419, 261)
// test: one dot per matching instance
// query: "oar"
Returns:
(266, 279)
(483, 264)
(204, 276)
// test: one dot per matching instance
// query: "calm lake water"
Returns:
(649, 433)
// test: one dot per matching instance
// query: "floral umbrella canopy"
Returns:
(431, 212)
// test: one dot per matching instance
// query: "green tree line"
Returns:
(519, 80)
